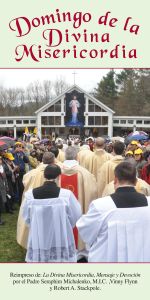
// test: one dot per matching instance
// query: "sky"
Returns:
(87, 79)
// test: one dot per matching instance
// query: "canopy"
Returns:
(138, 135)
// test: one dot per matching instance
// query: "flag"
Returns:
(26, 130)
(35, 131)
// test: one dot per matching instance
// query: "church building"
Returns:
(74, 112)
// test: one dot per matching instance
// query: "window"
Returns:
(52, 120)
(139, 122)
(51, 109)
(122, 121)
(98, 108)
(25, 121)
(130, 121)
(18, 121)
(97, 120)
(2, 122)
(147, 122)
(57, 120)
(92, 107)
(43, 120)
(91, 120)
(58, 106)
(10, 121)
(104, 120)
(116, 121)
(32, 121)
(54, 108)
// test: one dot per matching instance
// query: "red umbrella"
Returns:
(9, 141)
(6, 137)
(3, 145)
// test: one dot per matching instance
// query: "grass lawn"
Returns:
(10, 251)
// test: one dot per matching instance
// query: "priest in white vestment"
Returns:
(117, 228)
(85, 157)
(81, 182)
(32, 179)
(61, 154)
(141, 186)
(51, 214)
(106, 172)
(100, 156)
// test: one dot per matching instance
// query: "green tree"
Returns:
(143, 88)
(106, 90)
(133, 92)
(125, 80)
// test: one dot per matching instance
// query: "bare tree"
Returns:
(47, 90)
(3, 97)
(15, 96)
(22, 96)
(60, 86)
(34, 91)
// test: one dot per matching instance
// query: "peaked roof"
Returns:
(75, 87)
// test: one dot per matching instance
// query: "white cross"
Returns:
(74, 73)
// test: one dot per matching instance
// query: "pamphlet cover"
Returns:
(73, 36)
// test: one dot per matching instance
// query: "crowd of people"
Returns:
(32, 170)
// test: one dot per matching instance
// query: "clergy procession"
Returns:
(77, 199)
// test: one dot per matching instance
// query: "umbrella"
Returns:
(44, 141)
(33, 139)
(9, 141)
(117, 138)
(7, 138)
(3, 145)
(138, 136)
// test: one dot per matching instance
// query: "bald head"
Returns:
(71, 153)
(99, 142)
(48, 158)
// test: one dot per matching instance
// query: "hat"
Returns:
(134, 143)
(138, 151)
(9, 156)
(18, 144)
(129, 152)
(90, 138)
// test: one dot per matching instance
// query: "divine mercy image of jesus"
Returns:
(74, 110)
(74, 104)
